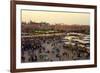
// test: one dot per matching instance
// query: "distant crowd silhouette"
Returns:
(43, 49)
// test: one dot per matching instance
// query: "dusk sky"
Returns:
(56, 17)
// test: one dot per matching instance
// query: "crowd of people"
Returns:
(42, 49)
